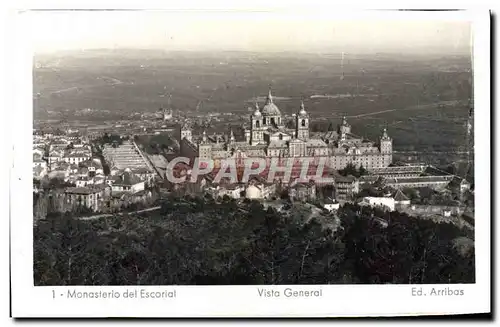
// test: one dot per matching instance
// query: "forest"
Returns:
(201, 241)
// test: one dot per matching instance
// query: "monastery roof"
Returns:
(277, 144)
(397, 169)
(422, 179)
(331, 135)
(316, 143)
(345, 179)
(400, 196)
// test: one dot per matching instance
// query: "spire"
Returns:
(204, 137)
(384, 134)
(269, 97)
(231, 136)
(302, 108)
(257, 110)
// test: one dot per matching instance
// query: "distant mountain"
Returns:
(67, 57)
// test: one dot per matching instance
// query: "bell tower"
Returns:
(344, 128)
(386, 148)
(302, 123)
(257, 128)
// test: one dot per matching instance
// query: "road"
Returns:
(426, 106)
(104, 215)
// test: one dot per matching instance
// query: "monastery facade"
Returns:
(267, 137)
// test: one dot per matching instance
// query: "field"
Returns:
(423, 101)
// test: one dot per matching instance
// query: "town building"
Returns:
(459, 185)
(346, 187)
(302, 191)
(232, 190)
(93, 197)
(76, 157)
(127, 182)
(259, 188)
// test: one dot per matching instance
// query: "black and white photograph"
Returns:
(287, 153)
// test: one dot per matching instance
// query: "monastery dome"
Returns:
(271, 109)
(252, 192)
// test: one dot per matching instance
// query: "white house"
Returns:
(231, 190)
(446, 213)
(259, 188)
(330, 204)
(84, 181)
(76, 157)
(253, 192)
(386, 203)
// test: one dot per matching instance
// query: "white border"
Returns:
(243, 301)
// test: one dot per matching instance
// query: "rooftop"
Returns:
(422, 179)
(400, 196)
(86, 190)
(345, 179)
(127, 179)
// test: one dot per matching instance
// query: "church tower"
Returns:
(204, 147)
(386, 148)
(257, 128)
(302, 123)
(185, 132)
(344, 128)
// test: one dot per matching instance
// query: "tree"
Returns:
(197, 241)
(350, 169)
(362, 171)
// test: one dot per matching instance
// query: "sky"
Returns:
(246, 31)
